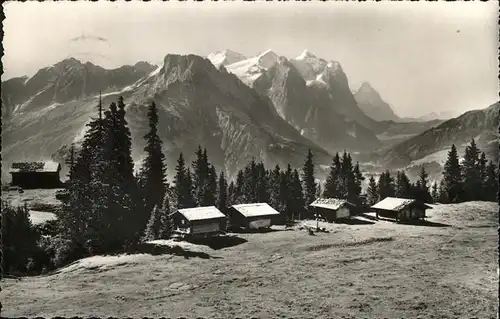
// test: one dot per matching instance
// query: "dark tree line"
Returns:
(473, 178)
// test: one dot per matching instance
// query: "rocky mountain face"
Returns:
(66, 81)
(198, 105)
(372, 104)
(433, 144)
(312, 95)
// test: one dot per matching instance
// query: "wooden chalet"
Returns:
(252, 216)
(36, 174)
(198, 222)
(401, 209)
(332, 209)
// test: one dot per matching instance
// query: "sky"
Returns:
(421, 57)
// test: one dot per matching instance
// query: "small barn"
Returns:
(252, 216)
(333, 209)
(198, 222)
(401, 209)
(36, 174)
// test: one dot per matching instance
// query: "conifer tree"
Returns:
(183, 184)
(166, 225)
(423, 188)
(482, 192)
(154, 225)
(285, 196)
(471, 172)
(386, 185)
(231, 189)
(275, 189)
(403, 185)
(435, 192)
(332, 185)
(153, 172)
(356, 185)
(222, 200)
(200, 176)
(372, 192)
(210, 194)
(297, 196)
(309, 183)
(239, 196)
(491, 182)
(452, 177)
(71, 162)
(262, 187)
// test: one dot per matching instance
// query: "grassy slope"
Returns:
(435, 272)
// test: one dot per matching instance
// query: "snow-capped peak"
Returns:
(305, 54)
(225, 57)
(267, 59)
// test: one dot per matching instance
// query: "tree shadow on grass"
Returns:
(219, 242)
(423, 223)
(257, 231)
(354, 221)
(155, 250)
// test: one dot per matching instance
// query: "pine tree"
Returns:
(210, 187)
(152, 176)
(239, 196)
(222, 199)
(372, 192)
(166, 224)
(71, 162)
(483, 173)
(285, 195)
(154, 225)
(471, 172)
(200, 177)
(183, 184)
(333, 181)
(309, 183)
(403, 185)
(423, 188)
(386, 185)
(346, 177)
(435, 192)
(275, 189)
(491, 182)
(297, 196)
(452, 177)
(262, 187)
(355, 182)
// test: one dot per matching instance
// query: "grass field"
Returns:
(366, 269)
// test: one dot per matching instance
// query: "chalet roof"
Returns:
(395, 204)
(330, 203)
(201, 213)
(46, 167)
(256, 209)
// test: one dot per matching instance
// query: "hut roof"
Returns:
(201, 213)
(256, 209)
(395, 204)
(330, 203)
(32, 167)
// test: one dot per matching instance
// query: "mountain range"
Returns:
(266, 107)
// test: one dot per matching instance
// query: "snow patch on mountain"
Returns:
(251, 69)
(225, 57)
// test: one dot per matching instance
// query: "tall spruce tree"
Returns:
(333, 181)
(210, 194)
(403, 185)
(356, 183)
(222, 198)
(239, 196)
(435, 192)
(452, 177)
(183, 184)
(71, 162)
(152, 176)
(372, 192)
(231, 194)
(386, 185)
(297, 196)
(166, 225)
(423, 187)
(275, 189)
(482, 192)
(262, 187)
(491, 182)
(471, 172)
(309, 183)
(285, 195)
